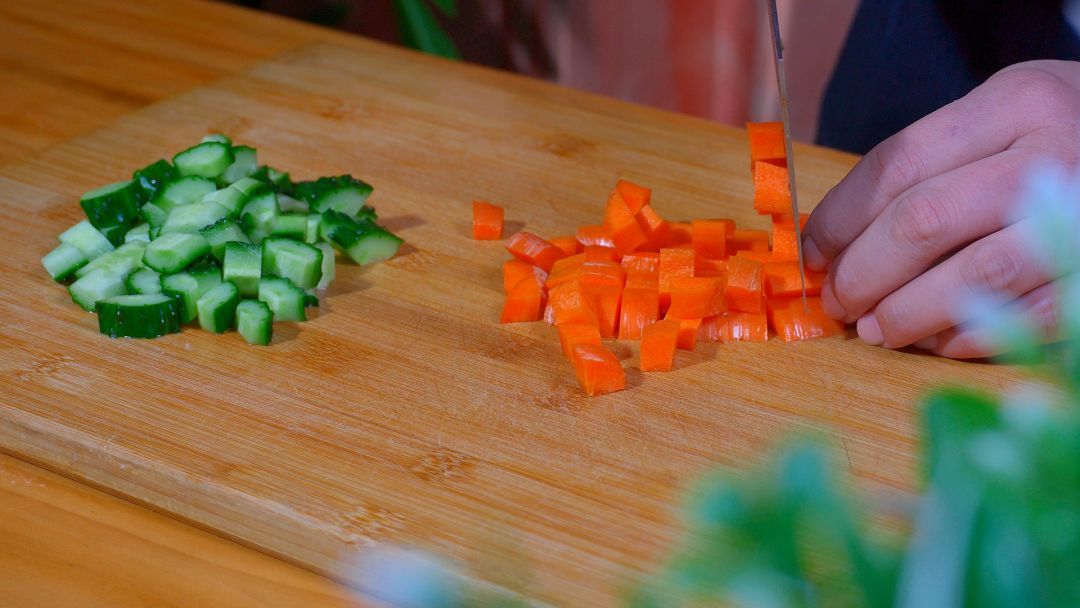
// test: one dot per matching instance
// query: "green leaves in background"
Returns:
(420, 28)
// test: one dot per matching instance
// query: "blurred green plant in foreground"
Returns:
(996, 521)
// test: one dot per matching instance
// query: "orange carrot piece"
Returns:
(598, 370)
(766, 142)
(771, 194)
(524, 302)
(744, 289)
(600, 253)
(673, 263)
(607, 301)
(696, 297)
(643, 278)
(565, 270)
(515, 270)
(570, 304)
(782, 280)
(530, 248)
(710, 268)
(601, 274)
(681, 233)
(640, 308)
(572, 334)
(594, 235)
(709, 237)
(487, 222)
(569, 244)
(657, 230)
(688, 333)
(748, 240)
(658, 343)
(713, 329)
(784, 247)
(762, 257)
(642, 260)
(635, 196)
(746, 326)
(791, 322)
(620, 223)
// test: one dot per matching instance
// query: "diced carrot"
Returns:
(524, 302)
(626, 234)
(640, 308)
(591, 234)
(791, 322)
(673, 263)
(713, 329)
(784, 219)
(570, 304)
(598, 369)
(487, 223)
(755, 256)
(782, 280)
(748, 240)
(601, 274)
(784, 246)
(635, 196)
(744, 285)
(530, 248)
(515, 270)
(766, 142)
(657, 230)
(710, 237)
(681, 233)
(642, 260)
(571, 334)
(607, 301)
(696, 297)
(565, 270)
(569, 244)
(658, 343)
(771, 193)
(746, 326)
(600, 253)
(710, 268)
(644, 278)
(688, 333)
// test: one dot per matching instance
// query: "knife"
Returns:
(781, 84)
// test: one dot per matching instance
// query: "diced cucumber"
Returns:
(122, 260)
(153, 214)
(229, 198)
(222, 232)
(143, 281)
(95, 286)
(183, 191)
(112, 205)
(208, 159)
(259, 214)
(138, 316)
(63, 261)
(87, 239)
(138, 233)
(311, 231)
(115, 234)
(328, 265)
(151, 178)
(170, 253)
(365, 242)
(291, 225)
(280, 180)
(217, 137)
(217, 308)
(193, 218)
(188, 287)
(243, 266)
(286, 300)
(344, 194)
(289, 204)
(255, 322)
(208, 275)
(294, 260)
(244, 164)
(248, 186)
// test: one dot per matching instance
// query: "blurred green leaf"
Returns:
(447, 7)
(949, 418)
(420, 29)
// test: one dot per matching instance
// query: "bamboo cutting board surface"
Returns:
(402, 412)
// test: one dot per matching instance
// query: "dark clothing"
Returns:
(903, 59)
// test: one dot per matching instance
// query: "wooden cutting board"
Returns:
(403, 412)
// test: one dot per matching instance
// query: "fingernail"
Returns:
(927, 343)
(812, 257)
(870, 331)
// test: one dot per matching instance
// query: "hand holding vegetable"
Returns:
(925, 222)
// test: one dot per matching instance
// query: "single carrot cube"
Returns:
(515, 270)
(657, 230)
(709, 237)
(601, 253)
(530, 248)
(568, 244)
(635, 196)
(767, 142)
(744, 286)
(658, 344)
(642, 260)
(572, 334)
(487, 221)
(681, 233)
(606, 301)
(696, 297)
(746, 326)
(771, 193)
(673, 263)
(626, 234)
(762, 257)
(791, 322)
(710, 268)
(565, 270)
(570, 304)
(594, 235)
(688, 333)
(524, 302)
(784, 245)
(598, 370)
(640, 308)
(782, 280)
(649, 279)
(748, 240)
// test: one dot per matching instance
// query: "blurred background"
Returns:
(708, 58)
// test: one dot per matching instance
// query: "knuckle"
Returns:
(992, 266)
(893, 318)
(897, 164)
(1044, 314)
(1037, 91)
(846, 284)
(922, 221)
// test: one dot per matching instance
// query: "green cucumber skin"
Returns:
(217, 308)
(295, 260)
(255, 322)
(119, 319)
(207, 160)
(151, 178)
(284, 298)
(221, 233)
(63, 261)
(343, 193)
(183, 288)
(364, 242)
(112, 205)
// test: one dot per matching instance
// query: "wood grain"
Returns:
(403, 413)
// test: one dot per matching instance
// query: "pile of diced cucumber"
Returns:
(214, 237)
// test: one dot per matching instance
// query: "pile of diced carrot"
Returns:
(667, 284)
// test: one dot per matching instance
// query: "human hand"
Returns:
(924, 222)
